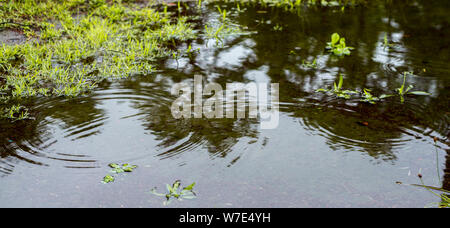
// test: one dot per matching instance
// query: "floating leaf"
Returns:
(108, 179)
(114, 165)
(385, 96)
(175, 192)
(118, 169)
(128, 168)
(322, 90)
(334, 38)
(190, 187)
(419, 93)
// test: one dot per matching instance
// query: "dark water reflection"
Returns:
(130, 120)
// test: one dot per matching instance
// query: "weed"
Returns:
(116, 169)
(403, 90)
(15, 113)
(337, 45)
(120, 169)
(338, 91)
(278, 28)
(369, 98)
(176, 192)
(108, 179)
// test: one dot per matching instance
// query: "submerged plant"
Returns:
(176, 192)
(337, 45)
(403, 90)
(337, 89)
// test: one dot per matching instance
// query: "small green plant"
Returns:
(123, 168)
(338, 91)
(307, 64)
(108, 179)
(337, 45)
(278, 28)
(116, 169)
(176, 192)
(403, 90)
(369, 98)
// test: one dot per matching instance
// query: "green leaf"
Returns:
(117, 170)
(431, 187)
(350, 92)
(419, 93)
(341, 81)
(114, 165)
(385, 96)
(188, 197)
(128, 168)
(153, 191)
(409, 88)
(190, 187)
(334, 38)
(322, 90)
(176, 185)
(342, 42)
(108, 178)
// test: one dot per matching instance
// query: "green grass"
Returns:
(75, 44)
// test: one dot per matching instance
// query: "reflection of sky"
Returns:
(396, 57)
(234, 56)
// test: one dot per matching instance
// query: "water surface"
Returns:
(320, 155)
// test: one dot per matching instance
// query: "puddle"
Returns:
(320, 155)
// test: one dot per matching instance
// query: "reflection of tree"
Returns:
(180, 135)
(14, 137)
(26, 141)
(307, 34)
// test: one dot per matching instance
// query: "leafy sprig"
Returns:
(176, 192)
